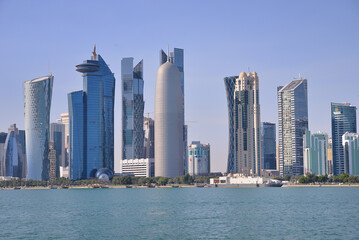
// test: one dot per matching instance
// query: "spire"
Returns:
(94, 53)
(168, 53)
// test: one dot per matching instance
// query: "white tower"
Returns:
(168, 122)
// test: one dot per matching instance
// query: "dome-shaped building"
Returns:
(104, 174)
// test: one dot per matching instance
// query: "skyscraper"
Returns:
(199, 159)
(246, 113)
(292, 123)
(343, 120)
(65, 120)
(177, 57)
(132, 109)
(230, 83)
(149, 140)
(91, 114)
(268, 146)
(2, 150)
(350, 143)
(57, 137)
(37, 104)
(315, 153)
(169, 122)
(14, 160)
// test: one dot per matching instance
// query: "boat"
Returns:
(128, 186)
(175, 186)
(64, 187)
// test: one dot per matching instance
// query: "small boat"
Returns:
(128, 186)
(175, 186)
(64, 187)
(16, 188)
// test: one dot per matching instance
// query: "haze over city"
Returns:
(277, 39)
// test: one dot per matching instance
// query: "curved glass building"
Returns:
(230, 83)
(37, 103)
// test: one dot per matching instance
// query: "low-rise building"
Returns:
(144, 167)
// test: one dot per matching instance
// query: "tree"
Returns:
(162, 181)
(303, 180)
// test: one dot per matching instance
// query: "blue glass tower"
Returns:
(230, 83)
(77, 141)
(14, 159)
(37, 103)
(98, 117)
(343, 120)
(268, 145)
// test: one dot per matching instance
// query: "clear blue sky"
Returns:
(277, 39)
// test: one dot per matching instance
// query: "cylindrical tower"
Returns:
(168, 122)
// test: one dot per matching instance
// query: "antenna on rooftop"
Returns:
(168, 52)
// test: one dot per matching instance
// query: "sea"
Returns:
(181, 213)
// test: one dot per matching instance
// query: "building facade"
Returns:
(138, 167)
(169, 127)
(330, 156)
(149, 139)
(13, 163)
(343, 120)
(199, 161)
(315, 153)
(247, 136)
(66, 121)
(132, 109)
(268, 146)
(57, 137)
(350, 143)
(292, 123)
(2, 150)
(91, 117)
(37, 104)
(53, 174)
(230, 83)
(177, 57)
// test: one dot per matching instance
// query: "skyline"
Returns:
(276, 55)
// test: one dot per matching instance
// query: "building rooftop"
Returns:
(39, 79)
(292, 85)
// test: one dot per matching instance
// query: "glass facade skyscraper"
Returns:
(230, 83)
(37, 104)
(292, 123)
(268, 146)
(93, 116)
(132, 109)
(343, 120)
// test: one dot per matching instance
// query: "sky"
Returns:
(278, 39)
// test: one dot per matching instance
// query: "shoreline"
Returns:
(168, 186)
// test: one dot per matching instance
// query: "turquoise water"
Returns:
(183, 213)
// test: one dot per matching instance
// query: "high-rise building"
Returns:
(149, 140)
(177, 57)
(246, 113)
(230, 83)
(132, 109)
(91, 116)
(198, 159)
(343, 120)
(2, 150)
(37, 104)
(350, 143)
(268, 146)
(292, 123)
(66, 121)
(330, 156)
(53, 174)
(169, 150)
(13, 163)
(57, 137)
(315, 153)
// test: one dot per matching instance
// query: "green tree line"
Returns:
(313, 178)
